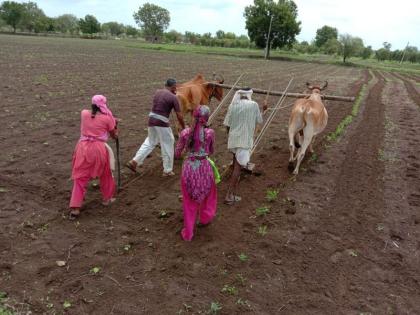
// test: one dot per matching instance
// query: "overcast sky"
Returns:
(375, 21)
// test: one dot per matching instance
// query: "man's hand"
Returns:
(265, 106)
(180, 119)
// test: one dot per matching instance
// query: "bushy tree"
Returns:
(331, 47)
(284, 24)
(324, 34)
(12, 12)
(350, 46)
(220, 34)
(192, 38)
(113, 28)
(367, 52)
(67, 23)
(89, 25)
(131, 31)
(152, 19)
(33, 18)
(173, 36)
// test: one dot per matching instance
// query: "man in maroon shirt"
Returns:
(159, 130)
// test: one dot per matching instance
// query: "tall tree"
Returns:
(11, 12)
(350, 46)
(89, 25)
(113, 28)
(67, 23)
(324, 34)
(152, 19)
(284, 26)
(131, 31)
(33, 17)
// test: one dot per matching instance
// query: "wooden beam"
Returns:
(295, 95)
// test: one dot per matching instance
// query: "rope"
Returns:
(271, 117)
(219, 107)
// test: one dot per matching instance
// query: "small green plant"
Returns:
(243, 303)
(95, 270)
(243, 257)
(43, 228)
(352, 252)
(314, 157)
(241, 279)
(262, 211)
(215, 307)
(272, 195)
(262, 230)
(127, 247)
(232, 290)
(66, 304)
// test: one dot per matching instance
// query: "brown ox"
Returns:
(308, 118)
(196, 92)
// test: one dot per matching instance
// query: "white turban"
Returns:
(241, 93)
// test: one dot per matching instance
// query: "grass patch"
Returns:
(338, 132)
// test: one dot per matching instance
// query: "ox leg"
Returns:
(306, 142)
(311, 148)
(291, 148)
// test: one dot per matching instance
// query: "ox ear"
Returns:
(309, 86)
(324, 86)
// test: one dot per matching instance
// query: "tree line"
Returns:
(270, 24)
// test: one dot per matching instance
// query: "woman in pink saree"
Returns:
(197, 181)
(91, 157)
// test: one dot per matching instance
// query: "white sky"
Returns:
(375, 21)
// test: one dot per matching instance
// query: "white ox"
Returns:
(308, 118)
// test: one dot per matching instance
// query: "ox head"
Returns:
(213, 89)
(316, 88)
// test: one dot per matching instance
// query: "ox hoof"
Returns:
(295, 172)
(291, 166)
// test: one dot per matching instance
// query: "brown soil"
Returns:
(342, 238)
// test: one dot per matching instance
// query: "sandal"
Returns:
(231, 201)
(108, 202)
(168, 174)
(131, 166)
(74, 214)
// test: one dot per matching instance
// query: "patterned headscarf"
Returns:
(201, 115)
(101, 102)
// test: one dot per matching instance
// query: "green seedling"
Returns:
(272, 195)
(243, 303)
(241, 279)
(243, 257)
(66, 304)
(43, 228)
(262, 211)
(95, 270)
(352, 253)
(262, 230)
(314, 157)
(232, 290)
(215, 307)
(127, 247)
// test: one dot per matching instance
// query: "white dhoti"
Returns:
(162, 136)
(242, 156)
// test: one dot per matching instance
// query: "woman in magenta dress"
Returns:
(91, 157)
(197, 181)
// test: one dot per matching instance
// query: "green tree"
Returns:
(191, 37)
(284, 26)
(152, 19)
(220, 34)
(173, 36)
(350, 46)
(131, 31)
(89, 25)
(12, 12)
(324, 34)
(67, 23)
(113, 28)
(367, 52)
(33, 17)
(331, 46)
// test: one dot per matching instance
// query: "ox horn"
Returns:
(309, 86)
(324, 86)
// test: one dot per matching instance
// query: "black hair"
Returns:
(170, 82)
(95, 109)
